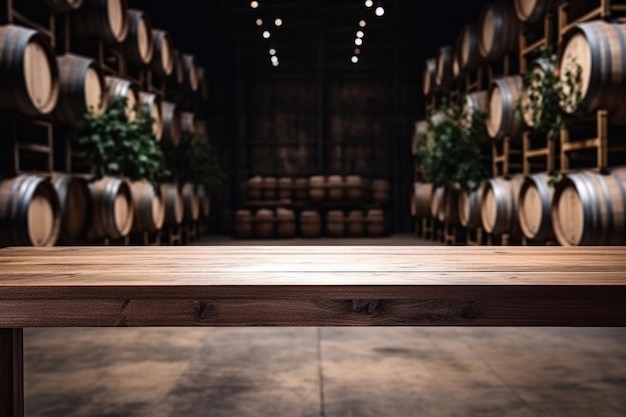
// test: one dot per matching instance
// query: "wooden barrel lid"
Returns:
(489, 210)
(525, 8)
(144, 39)
(487, 31)
(576, 51)
(116, 13)
(167, 53)
(94, 92)
(42, 88)
(530, 210)
(568, 216)
(494, 120)
(122, 211)
(43, 219)
(158, 211)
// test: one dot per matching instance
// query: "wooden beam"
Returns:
(11, 373)
(312, 286)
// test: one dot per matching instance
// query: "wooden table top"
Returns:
(456, 279)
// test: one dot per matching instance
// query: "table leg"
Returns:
(12, 372)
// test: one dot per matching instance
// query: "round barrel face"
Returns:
(167, 55)
(75, 212)
(494, 121)
(525, 8)
(530, 211)
(464, 207)
(569, 217)
(488, 210)
(38, 78)
(157, 124)
(575, 54)
(122, 212)
(116, 18)
(429, 70)
(193, 73)
(158, 211)
(487, 32)
(94, 92)
(144, 40)
(42, 220)
(179, 207)
(466, 46)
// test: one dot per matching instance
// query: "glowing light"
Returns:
(266, 34)
(274, 59)
(254, 4)
(360, 34)
(272, 51)
(362, 23)
(278, 21)
(369, 3)
(259, 22)
(354, 59)
(358, 41)
(275, 63)
(379, 11)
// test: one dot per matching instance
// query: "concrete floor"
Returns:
(328, 372)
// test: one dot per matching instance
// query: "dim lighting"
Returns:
(259, 22)
(354, 59)
(358, 41)
(369, 3)
(278, 21)
(379, 11)
(362, 23)
(357, 51)
(266, 34)
(360, 34)
(272, 51)
(254, 4)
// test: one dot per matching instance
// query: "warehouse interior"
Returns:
(289, 123)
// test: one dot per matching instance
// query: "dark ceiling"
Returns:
(223, 34)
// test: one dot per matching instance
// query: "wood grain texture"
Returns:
(11, 373)
(312, 286)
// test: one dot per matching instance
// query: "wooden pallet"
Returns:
(506, 157)
(593, 144)
(571, 13)
(539, 153)
(534, 37)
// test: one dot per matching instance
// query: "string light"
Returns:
(358, 41)
(360, 34)
(272, 51)
(278, 21)
(369, 3)
(254, 4)
(354, 59)
(266, 34)
(379, 11)
(362, 23)
(259, 22)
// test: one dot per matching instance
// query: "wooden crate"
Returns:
(534, 37)
(592, 144)
(573, 12)
(506, 157)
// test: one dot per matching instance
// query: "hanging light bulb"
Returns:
(266, 34)
(254, 4)
(278, 21)
(362, 23)
(369, 3)
(259, 22)
(360, 34)
(354, 59)
(379, 11)
(358, 41)
(272, 51)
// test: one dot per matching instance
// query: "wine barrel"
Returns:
(139, 44)
(150, 107)
(29, 74)
(475, 103)
(436, 203)
(190, 72)
(285, 223)
(63, 6)
(203, 83)
(375, 222)
(204, 197)
(177, 77)
(499, 205)
(355, 223)
(191, 204)
(113, 208)
(498, 30)
(105, 19)
(450, 206)
(243, 224)
(539, 68)
(335, 226)
(598, 49)
(535, 204)
(469, 207)
(173, 204)
(76, 207)
(317, 188)
(354, 188)
(121, 88)
(162, 62)
(588, 208)
(148, 207)
(422, 197)
(264, 223)
(188, 123)
(270, 188)
(429, 75)
(172, 128)
(466, 51)
(81, 89)
(335, 188)
(255, 188)
(443, 73)
(30, 213)
(504, 119)
(380, 191)
(301, 189)
(285, 188)
(532, 11)
(310, 224)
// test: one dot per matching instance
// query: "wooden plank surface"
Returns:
(316, 285)
(11, 373)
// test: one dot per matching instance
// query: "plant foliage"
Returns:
(117, 146)
(450, 151)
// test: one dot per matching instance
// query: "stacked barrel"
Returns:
(568, 188)
(61, 60)
(319, 205)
